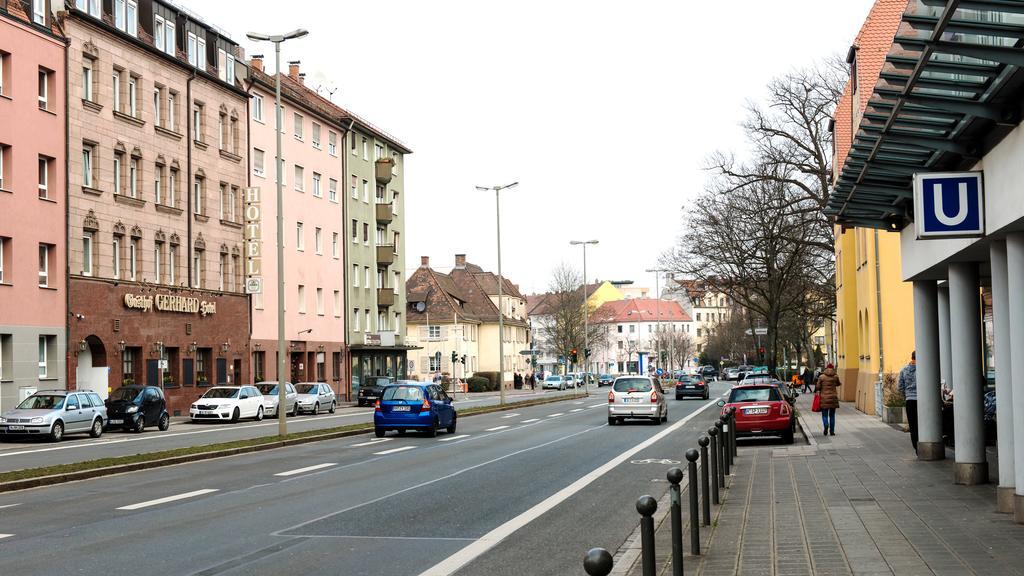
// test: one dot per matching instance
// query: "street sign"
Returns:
(949, 204)
(254, 285)
(761, 331)
(162, 365)
(253, 242)
(528, 352)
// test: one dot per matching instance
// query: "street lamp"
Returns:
(657, 309)
(501, 310)
(586, 308)
(277, 39)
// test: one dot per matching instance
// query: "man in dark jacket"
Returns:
(908, 387)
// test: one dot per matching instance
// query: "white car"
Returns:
(555, 382)
(270, 398)
(313, 397)
(228, 403)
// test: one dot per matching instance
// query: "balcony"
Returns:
(384, 213)
(385, 254)
(385, 297)
(383, 168)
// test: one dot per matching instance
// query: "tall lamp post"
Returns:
(277, 39)
(657, 309)
(501, 282)
(586, 309)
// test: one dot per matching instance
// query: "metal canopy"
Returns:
(950, 90)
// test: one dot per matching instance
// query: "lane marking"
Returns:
(167, 499)
(393, 450)
(512, 415)
(577, 403)
(10, 505)
(531, 420)
(598, 405)
(496, 428)
(307, 469)
(463, 557)
(450, 438)
(2, 536)
(555, 414)
(371, 442)
(576, 410)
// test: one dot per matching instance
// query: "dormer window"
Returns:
(126, 16)
(90, 6)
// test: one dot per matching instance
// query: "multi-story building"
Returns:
(632, 329)
(458, 312)
(542, 310)
(157, 129)
(706, 306)
(33, 288)
(874, 307)
(374, 251)
(313, 143)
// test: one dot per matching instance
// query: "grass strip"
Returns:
(56, 474)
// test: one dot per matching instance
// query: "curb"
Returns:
(50, 480)
(803, 430)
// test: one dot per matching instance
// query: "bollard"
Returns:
(691, 456)
(725, 446)
(721, 454)
(704, 486)
(675, 476)
(598, 562)
(732, 436)
(713, 432)
(647, 506)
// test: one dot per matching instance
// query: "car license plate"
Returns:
(15, 427)
(755, 411)
(400, 409)
(690, 387)
(207, 412)
(114, 422)
(631, 401)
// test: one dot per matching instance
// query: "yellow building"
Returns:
(601, 293)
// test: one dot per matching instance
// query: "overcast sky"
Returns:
(604, 111)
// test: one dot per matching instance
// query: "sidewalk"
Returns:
(859, 503)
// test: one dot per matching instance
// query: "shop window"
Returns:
(204, 363)
(259, 366)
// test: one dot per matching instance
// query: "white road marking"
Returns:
(307, 469)
(496, 428)
(371, 442)
(2, 536)
(531, 420)
(576, 410)
(598, 405)
(159, 501)
(463, 557)
(512, 415)
(450, 438)
(393, 450)
(577, 403)
(10, 505)
(555, 414)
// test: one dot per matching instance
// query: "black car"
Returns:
(605, 380)
(708, 372)
(135, 407)
(693, 387)
(371, 389)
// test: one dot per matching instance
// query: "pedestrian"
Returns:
(908, 387)
(827, 387)
(807, 378)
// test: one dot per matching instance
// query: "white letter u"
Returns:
(961, 214)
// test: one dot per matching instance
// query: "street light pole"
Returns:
(586, 309)
(657, 311)
(501, 281)
(282, 417)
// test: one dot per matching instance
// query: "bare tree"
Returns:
(678, 346)
(563, 329)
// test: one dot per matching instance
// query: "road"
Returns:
(18, 454)
(511, 493)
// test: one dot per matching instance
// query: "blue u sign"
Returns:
(949, 204)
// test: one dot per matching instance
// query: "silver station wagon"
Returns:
(55, 413)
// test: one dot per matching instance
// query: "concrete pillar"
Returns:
(1004, 378)
(965, 338)
(929, 396)
(945, 352)
(1015, 292)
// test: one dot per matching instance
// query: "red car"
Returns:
(761, 410)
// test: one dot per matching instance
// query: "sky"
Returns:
(604, 111)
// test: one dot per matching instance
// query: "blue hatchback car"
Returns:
(408, 405)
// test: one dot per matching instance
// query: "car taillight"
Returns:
(785, 409)
(611, 397)
(654, 397)
(376, 406)
(426, 405)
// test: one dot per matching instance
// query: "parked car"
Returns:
(554, 382)
(228, 403)
(414, 406)
(636, 397)
(708, 372)
(371, 389)
(135, 407)
(571, 381)
(788, 393)
(605, 380)
(742, 371)
(732, 373)
(56, 413)
(314, 397)
(692, 387)
(761, 410)
(271, 398)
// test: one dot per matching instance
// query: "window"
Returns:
(222, 271)
(334, 244)
(197, 196)
(366, 191)
(197, 269)
(366, 233)
(433, 332)
(158, 177)
(337, 304)
(5, 67)
(87, 253)
(232, 202)
(257, 107)
(257, 162)
(382, 320)
(221, 136)
(126, 16)
(197, 123)
(319, 301)
(318, 240)
(366, 149)
(43, 353)
(44, 88)
(5, 244)
(366, 282)
(87, 87)
(115, 89)
(133, 263)
(355, 230)
(381, 196)
(158, 261)
(355, 276)
(317, 192)
(3, 158)
(355, 190)
(196, 48)
(128, 364)
(225, 204)
(698, 316)
(394, 202)
(355, 320)
(225, 66)
(157, 103)
(163, 35)
(133, 178)
(172, 264)
(394, 164)
(300, 236)
(332, 143)
(395, 241)
(316, 135)
(118, 163)
(133, 94)
(90, 6)
(172, 111)
(116, 255)
(302, 299)
(87, 152)
(279, 170)
(300, 178)
(44, 265)
(44, 177)
(378, 151)
(172, 188)
(366, 319)
(332, 190)
(297, 120)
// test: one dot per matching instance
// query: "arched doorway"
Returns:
(92, 372)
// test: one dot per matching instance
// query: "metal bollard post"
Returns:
(732, 436)
(713, 432)
(691, 456)
(598, 562)
(721, 454)
(675, 476)
(704, 486)
(647, 506)
(727, 445)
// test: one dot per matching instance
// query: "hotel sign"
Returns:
(253, 241)
(949, 205)
(170, 303)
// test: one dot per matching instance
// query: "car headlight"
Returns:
(3, 420)
(132, 409)
(37, 420)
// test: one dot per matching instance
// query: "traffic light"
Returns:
(586, 352)
(761, 350)
(455, 357)
(664, 355)
(573, 357)
(463, 359)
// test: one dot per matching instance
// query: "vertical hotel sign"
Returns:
(253, 242)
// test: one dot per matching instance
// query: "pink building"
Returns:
(33, 289)
(313, 135)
